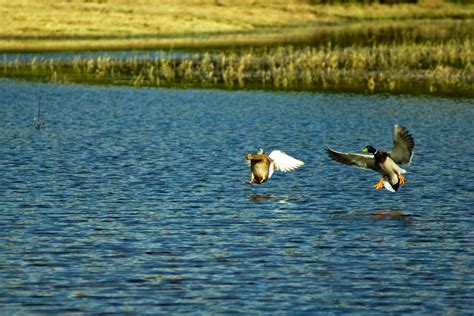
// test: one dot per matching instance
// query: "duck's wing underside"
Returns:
(350, 159)
(284, 162)
(403, 144)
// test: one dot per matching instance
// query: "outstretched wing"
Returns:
(283, 162)
(357, 160)
(403, 144)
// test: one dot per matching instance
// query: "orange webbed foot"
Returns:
(402, 180)
(379, 184)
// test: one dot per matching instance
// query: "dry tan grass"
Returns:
(122, 24)
(424, 48)
(442, 68)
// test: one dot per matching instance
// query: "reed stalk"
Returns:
(431, 68)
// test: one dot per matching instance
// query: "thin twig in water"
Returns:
(38, 120)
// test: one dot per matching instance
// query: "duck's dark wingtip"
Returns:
(328, 151)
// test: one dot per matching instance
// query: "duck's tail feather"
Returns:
(392, 188)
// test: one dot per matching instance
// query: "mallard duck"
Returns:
(262, 166)
(382, 162)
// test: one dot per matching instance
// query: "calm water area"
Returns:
(115, 55)
(133, 201)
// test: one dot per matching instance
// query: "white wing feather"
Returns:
(283, 162)
(270, 171)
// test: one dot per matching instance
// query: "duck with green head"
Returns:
(262, 165)
(385, 163)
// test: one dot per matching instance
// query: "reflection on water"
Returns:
(261, 197)
(283, 198)
(131, 201)
(116, 55)
(392, 215)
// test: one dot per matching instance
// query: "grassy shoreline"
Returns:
(42, 25)
(438, 69)
(366, 33)
(286, 45)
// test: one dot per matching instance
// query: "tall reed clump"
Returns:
(439, 68)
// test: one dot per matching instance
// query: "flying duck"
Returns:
(384, 163)
(262, 166)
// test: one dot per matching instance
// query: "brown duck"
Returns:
(262, 166)
(382, 162)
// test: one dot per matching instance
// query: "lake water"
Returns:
(134, 201)
(5, 58)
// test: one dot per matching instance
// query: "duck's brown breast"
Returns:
(260, 170)
(380, 157)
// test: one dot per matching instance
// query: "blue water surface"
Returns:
(6, 58)
(133, 201)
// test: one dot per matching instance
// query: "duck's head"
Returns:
(254, 156)
(369, 149)
(249, 156)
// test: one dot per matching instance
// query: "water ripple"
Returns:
(134, 201)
